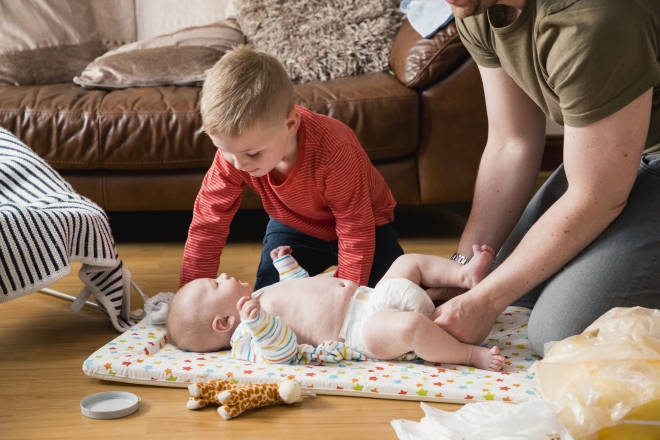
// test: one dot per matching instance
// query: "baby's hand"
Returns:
(248, 308)
(279, 252)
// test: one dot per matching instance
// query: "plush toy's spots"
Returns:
(235, 399)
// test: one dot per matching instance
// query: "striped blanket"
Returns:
(44, 225)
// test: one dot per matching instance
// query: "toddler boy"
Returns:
(330, 319)
(322, 194)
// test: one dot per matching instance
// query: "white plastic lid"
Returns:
(109, 405)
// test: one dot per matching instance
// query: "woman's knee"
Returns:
(538, 337)
(547, 326)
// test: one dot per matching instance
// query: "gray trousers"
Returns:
(621, 268)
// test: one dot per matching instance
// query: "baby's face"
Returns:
(196, 307)
(225, 287)
(219, 295)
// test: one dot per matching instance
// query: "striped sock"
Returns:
(289, 269)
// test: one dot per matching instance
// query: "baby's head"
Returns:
(203, 314)
(247, 109)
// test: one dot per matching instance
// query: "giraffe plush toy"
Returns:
(234, 399)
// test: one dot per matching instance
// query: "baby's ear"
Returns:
(223, 324)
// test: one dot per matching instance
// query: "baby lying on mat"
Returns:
(291, 322)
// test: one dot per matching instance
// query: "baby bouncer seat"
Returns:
(45, 225)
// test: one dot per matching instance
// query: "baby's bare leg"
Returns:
(427, 270)
(434, 272)
(390, 333)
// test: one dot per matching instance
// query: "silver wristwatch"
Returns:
(460, 259)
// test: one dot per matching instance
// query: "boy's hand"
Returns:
(248, 308)
(279, 252)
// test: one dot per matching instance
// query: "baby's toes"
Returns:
(487, 248)
(495, 365)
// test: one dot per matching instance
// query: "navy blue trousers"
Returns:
(316, 256)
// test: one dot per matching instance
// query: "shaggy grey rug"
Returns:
(322, 39)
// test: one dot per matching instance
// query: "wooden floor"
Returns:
(43, 345)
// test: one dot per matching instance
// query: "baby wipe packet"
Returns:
(485, 421)
(594, 379)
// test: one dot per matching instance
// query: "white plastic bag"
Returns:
(485, 421)
(594, 379)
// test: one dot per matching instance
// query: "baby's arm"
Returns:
(434, 271)
(273, 342)
(286, 265)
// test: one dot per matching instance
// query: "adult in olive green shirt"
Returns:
(590, 238)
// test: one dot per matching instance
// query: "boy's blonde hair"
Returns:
(244, 89)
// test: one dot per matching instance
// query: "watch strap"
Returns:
(460, 259)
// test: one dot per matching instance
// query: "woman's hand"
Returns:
(467, 318)
(444, 293)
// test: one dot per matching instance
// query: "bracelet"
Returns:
(460, 259)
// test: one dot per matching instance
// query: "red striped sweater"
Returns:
(333, 193)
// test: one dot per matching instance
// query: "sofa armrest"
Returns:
(418, 61)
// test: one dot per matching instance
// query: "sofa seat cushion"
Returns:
(153, 128)
(383, 113)
(57, 121)
(159, 128)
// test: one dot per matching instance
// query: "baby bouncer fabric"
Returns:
(45, 225)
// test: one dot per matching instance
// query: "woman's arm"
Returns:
(510, 164)
(601, 162)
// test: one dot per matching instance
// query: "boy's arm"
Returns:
(215, 206)
(347, 195)
(271, 341)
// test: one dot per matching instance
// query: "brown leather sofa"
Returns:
(143, 149)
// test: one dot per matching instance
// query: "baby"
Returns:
(292, 321)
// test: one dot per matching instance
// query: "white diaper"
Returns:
(395, 293)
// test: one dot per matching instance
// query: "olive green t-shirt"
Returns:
(579, 60)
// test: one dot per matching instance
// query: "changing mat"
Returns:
(143, 355)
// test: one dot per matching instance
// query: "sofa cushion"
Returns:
(179, 58)
(153, 128)
(115, 21)
(166, 16)
(57, 121)
(317, 40)
(382, 112)
(417, 61)
(159, 128)
(46, 41)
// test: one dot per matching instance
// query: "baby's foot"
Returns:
(477, 269)
(485, 359)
